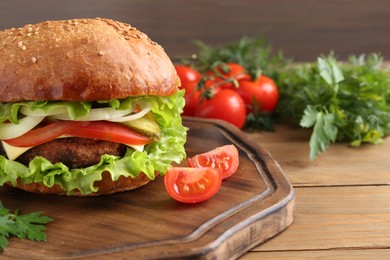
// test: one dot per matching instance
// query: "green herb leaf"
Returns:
(330, 71)
(324, 132)
(30, 226)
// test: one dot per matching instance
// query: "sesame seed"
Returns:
(101, 53)
(29, 34)
(34, 60)
(23, 47)
(29, 29)
(20, 44)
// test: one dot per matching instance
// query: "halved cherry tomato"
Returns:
(227, 71)
(192, 185)
(43, 134)
(102, 130)
(225, 105)
(224, 158)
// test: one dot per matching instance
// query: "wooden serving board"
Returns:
(253, 205)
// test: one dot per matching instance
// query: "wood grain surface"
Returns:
(253, 205)
(302, 29)
(343, 199)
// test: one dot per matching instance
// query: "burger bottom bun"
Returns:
(105, 186)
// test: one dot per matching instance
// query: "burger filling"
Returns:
(72, 143)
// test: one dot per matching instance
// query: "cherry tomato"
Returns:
(192, 100)
(228, 71)
(263, 90)
(226, 105)
(189, 87)
(224, 158)
(102, 130)
(187, 73)
(192, 185)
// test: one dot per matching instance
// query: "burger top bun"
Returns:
(82, 60)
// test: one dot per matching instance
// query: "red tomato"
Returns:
(189, 87)
(213, 86)
(192, 100)
(263, 90)
(187, 73)
(109, 131)
(231, 71)
(44, 134)
(226, 105)
(102, 130)
(224, 158)
(192, 185)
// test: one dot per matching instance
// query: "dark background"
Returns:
(302, 29)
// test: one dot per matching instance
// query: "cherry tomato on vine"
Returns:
(192, 100)
(228, 71)
(224, 158)
(212, 86)
(192, 185)
(189, 77)
(226, 105)
(263, 90)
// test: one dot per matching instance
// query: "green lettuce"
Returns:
(157, 156)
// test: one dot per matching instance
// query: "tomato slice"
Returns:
(192, 185)
(224, 158)
(109, 131)
(43, 134)
(102, 130)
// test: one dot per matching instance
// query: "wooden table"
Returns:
(342, 199)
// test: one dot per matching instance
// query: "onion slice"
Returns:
(135, 116)
(10, 130)
(96, 114)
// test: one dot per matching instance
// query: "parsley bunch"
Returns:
(30, 226)
(341, 101)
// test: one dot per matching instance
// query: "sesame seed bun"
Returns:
(82, 60)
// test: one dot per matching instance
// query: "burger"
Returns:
(87, 107)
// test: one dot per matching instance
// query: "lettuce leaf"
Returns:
(156, 156)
